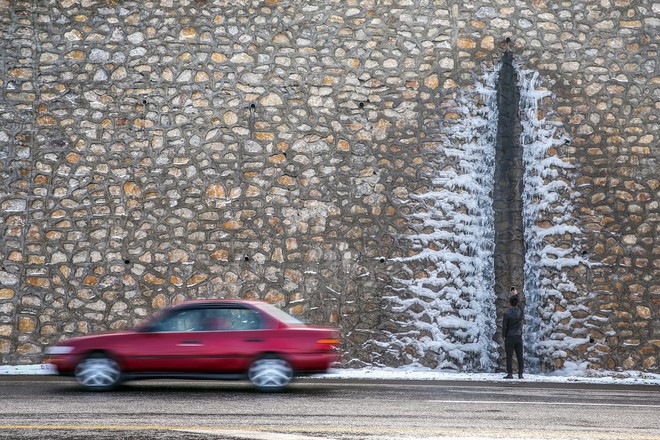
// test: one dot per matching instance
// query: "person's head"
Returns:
(513, 300)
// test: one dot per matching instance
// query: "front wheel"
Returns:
(270, 374)
(98, 372)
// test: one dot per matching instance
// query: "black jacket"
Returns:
(512, 323)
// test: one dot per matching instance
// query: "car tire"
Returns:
(270, 373)
(98, 372)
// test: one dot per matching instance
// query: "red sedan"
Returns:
(204, 339)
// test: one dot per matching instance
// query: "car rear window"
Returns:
(281, 315)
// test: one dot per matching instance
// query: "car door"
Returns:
(174, 344)
(231, 345)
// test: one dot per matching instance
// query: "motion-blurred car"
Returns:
(203, 339)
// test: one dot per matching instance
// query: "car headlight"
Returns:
(58, 349)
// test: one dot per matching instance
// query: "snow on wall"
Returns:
(551, 297)
(447, 299)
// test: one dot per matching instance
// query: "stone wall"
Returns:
(157, 151)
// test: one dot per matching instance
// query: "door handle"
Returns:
(254, 340)
(189, 343)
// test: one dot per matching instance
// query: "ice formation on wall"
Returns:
(447, 296)
(547, 214)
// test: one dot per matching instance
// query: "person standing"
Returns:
(512, 325)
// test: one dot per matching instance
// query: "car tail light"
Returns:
(328, 344)
(328, 341)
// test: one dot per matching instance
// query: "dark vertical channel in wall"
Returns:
(507, 191)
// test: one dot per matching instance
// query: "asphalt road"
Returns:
(47, 407)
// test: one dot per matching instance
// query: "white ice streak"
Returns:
(547, 197)
(447, 298)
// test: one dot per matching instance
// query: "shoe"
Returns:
(520, 376)
(508, 376)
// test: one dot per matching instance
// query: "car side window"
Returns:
(231, 319)
(181, 321)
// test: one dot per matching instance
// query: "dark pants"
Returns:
(512, 343)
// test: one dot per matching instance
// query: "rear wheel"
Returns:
(98, 372)
(270, 373)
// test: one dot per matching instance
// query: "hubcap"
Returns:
(97, 372)
(270, 373)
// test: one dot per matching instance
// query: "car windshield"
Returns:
(281, 315)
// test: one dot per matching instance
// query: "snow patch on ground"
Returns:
(572, 373)
(38, 369)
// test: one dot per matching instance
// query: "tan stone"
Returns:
(48, 330)
(143, 123)
(432, 82)
(218, 57)
(264, 136)
(650, 363)
(231, 225)
(343, 145)
(646, 139)
(629, 364)
(82, 327)
(176, 280)
(26, 324)
(6, 293)
(277, 158)
(177, 256)
(53, 235)
(201, 77)
(75, 55)
(466, 43)
(188, 33)
(20, 73)
(159, 301)
(286, 180)
(230, 118)
(46, 120)
(153, 279)
(488, 42)
(291, 244)
(15, 256)
(280, 39)
(277, 255)
(196, 279)
(644, 312)
(252, 191)
(27, 348)
(220, 254)
(215, 190)
(449, 84)
(274, 297)
(73, 157)
(132, 189)
(38, 282)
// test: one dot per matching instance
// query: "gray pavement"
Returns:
(55, 408)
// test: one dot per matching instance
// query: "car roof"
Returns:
(211, 302)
